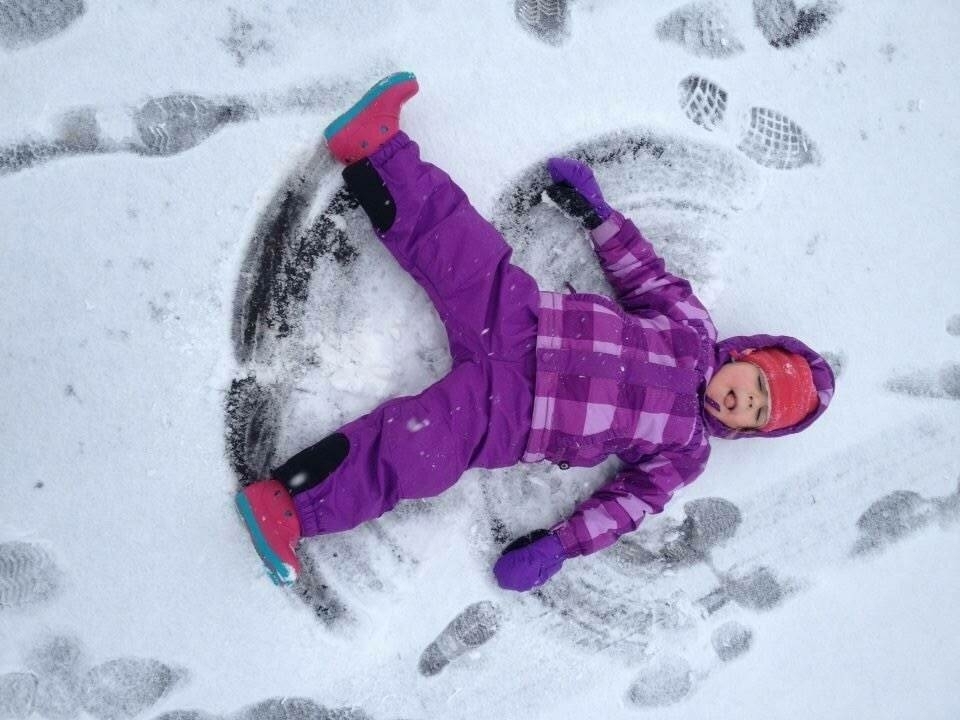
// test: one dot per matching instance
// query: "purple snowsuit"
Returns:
(566, 378)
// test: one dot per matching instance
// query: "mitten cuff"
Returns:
(568, 540)
(607, 229)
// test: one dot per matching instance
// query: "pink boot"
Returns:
(374, 119)
(267, 509)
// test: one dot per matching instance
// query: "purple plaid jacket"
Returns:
(629, 380)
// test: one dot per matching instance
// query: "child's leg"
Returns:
(488, 306)
(410, 447)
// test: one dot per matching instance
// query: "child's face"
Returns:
(741, 391)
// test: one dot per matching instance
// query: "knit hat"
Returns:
(792, 393)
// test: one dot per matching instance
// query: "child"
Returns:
(569, 378)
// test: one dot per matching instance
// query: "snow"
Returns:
(128, 587)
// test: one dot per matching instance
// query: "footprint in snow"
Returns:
(28, 575)
(731, 640)
(187, 715)
(766, 136)
(58, 664)
(544, 19)
(953, 325)
(59, 685)
(709, 522)
(665, 680)
(296, 708)
(162, 126)
(942, 383)
(17, 692)
(702, 29)
(28, 22)
(900, 514)
(467, 631)
(756, 589)
(783, 24)
(122, 688)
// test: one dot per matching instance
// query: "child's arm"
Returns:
(640, 489)
(637, 274)
(620, 506)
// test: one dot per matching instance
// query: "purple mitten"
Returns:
(526, 566)
(580, 177)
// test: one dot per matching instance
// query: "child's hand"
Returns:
(573, 204)
(580, 178)
(529, 562)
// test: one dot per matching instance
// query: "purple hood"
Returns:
(823, 380)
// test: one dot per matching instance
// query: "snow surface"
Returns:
(128, 587)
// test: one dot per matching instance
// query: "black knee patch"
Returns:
(365, 183)
(310, 467)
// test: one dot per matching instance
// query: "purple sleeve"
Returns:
(639, 277)
(620, 505)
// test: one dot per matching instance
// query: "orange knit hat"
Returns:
(792, 393)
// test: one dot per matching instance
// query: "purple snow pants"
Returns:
(478, 416)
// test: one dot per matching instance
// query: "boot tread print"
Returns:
(373, 119)
(268, 512)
